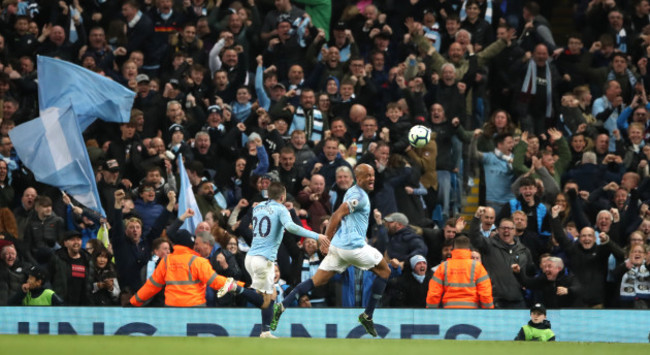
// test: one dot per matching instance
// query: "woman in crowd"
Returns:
(106, 290)
(6, 191)
(634, 276)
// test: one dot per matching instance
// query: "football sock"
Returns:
(267, 314)
(251, 296)
(377, 289)
(297, 292)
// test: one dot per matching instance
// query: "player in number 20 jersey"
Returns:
(270, 219)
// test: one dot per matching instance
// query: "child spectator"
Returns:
(34, 293)
(241, 107)
(538, 328)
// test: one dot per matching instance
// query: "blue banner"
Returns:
(569, 325)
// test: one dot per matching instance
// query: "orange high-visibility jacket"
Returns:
(186, 275)
(460, 282)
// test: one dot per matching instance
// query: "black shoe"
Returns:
(367, 324)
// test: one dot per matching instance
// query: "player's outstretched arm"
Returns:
(291, 227)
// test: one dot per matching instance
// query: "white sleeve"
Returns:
(213, 58)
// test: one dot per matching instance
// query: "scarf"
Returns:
(507, 158)
(279, 290)
(621, 40)
(166, 16)
(135, 19)
(73, 36)
(301, 32)
(635, 283)
(311, 123)
(418, 278)
(361, 144)
(433, 35)
(200, 10)
(488, 11)
(151, 265)
(530, 85)
(309, 266)
(630, 76)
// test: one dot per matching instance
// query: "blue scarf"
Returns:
(507, 158)
(166, 16)
(621, 40)
(530, 84)
(630, 76)
(418, 278)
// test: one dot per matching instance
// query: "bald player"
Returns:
(347, 233)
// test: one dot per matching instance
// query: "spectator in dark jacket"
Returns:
(24, 210)
(221, 260)
(587, 260)
(500, 253)
(316, 200)
(13, 272)
(410, 289)
(403, 242)
(147, 207)
(140, 35)
(127, 151)
(105, 287)
(42, 232)
(558, 288)
(131, 247)
(327, 161)
(396, 127)
(70, 271)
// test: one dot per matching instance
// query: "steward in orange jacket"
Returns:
(184, 273)
(460, 282)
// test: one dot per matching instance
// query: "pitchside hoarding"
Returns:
(569, 325)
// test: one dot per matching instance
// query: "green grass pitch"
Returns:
(120, 345)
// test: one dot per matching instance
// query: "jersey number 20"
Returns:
(263, 228)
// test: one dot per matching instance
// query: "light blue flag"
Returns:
(187, 200)
(93, 96)
(52, 147)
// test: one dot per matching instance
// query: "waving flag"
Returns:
(186, 199)
(52, 147)
(93, 96)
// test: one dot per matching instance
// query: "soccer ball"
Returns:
(419, 136)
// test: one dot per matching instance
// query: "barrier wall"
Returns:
(569, 325)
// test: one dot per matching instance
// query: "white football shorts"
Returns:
(262, 272)
(338, 259)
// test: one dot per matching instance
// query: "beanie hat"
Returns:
(184, 238)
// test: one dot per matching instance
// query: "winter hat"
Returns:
(415, 259)
(184, 238)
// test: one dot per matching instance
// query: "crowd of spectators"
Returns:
(555, 127)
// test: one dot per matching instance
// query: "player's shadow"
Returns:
(359, 331)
